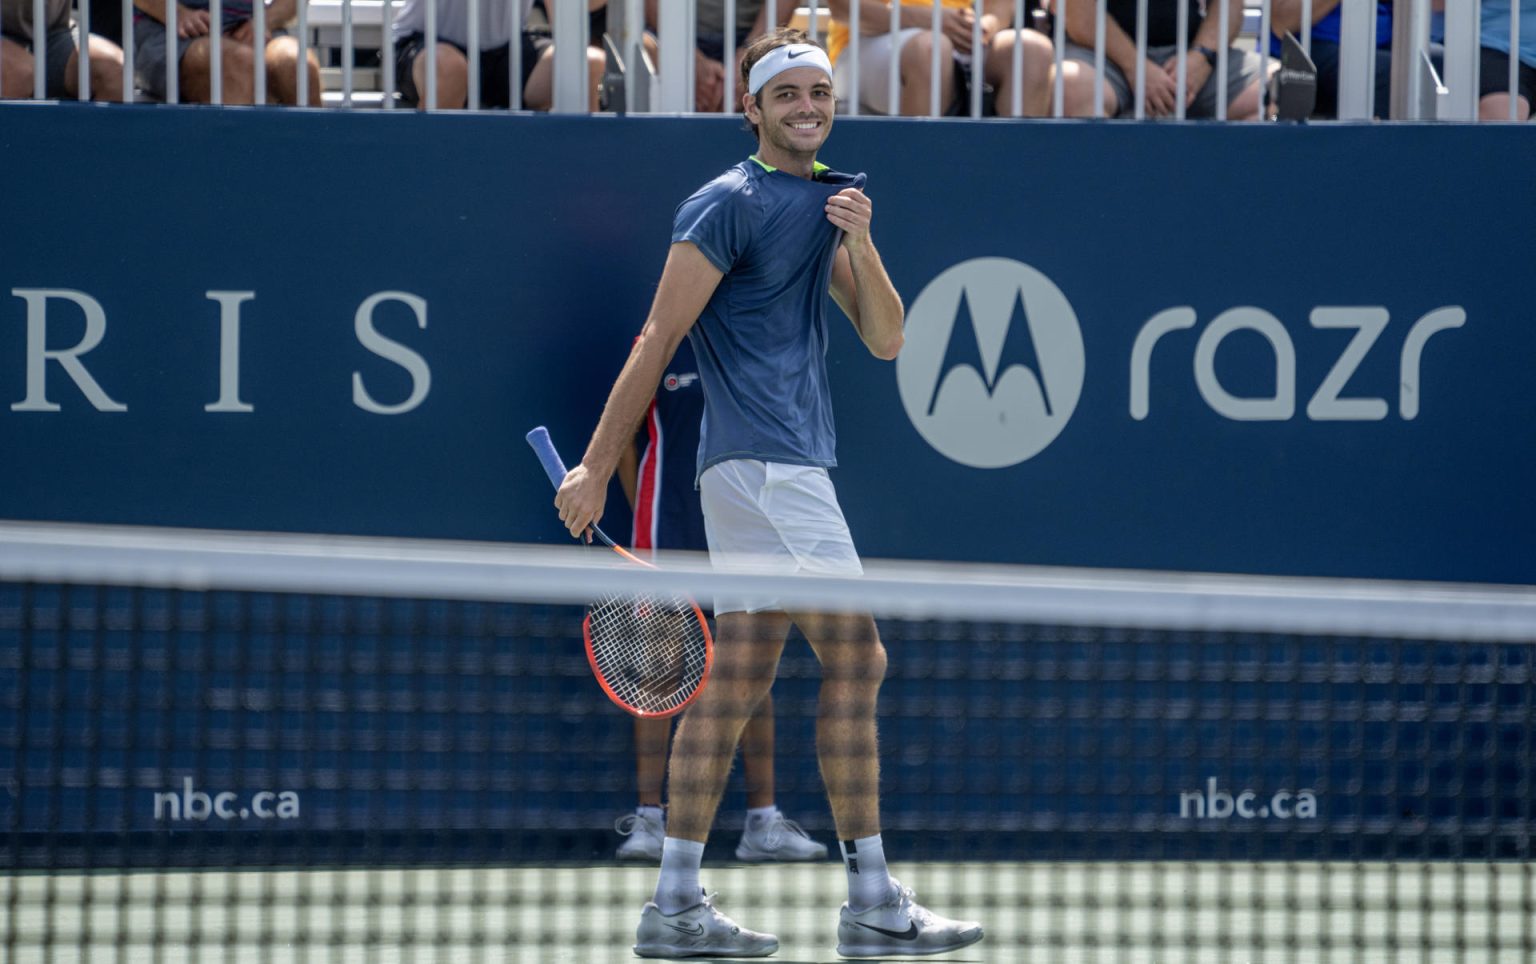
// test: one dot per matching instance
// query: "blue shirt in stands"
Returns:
(761, 341)
(667, 510)
(1330, 27)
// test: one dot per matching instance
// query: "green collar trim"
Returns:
(816, 166)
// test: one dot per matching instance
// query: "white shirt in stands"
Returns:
(453, 21)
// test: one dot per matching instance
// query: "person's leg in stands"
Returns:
(1035, 71)
(539, 91)
(1077, 83)
(917, 72)
(15, 69)
(282, 57)
(196, 73)
(106, 66)
(452, 77)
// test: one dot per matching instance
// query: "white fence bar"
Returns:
(1306, 26)
(1017, 94)
(1223, 52)
(1357, 59)
(852, 53)
(978, 59)
(571, 81)
(813, 28)
(894, 79)
(515, 58)
(387, 52)
(1262, 43)
(473, 42)
(128, 83)
(1181, 64)
(83, 45)
(431, 91)
(933, 62)
(40, 49)
(728, 58)
(1141, 60)
(1462, 35)
(1058, 94)
(172, 68)
(1410, 36)
(1100, 16)
(675, 23)
(258, 63)
(1514, 60)
(348, 53)
(216, 50)
(303, 65)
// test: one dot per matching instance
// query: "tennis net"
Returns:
(279, 748)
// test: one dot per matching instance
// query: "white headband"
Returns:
(788, 57)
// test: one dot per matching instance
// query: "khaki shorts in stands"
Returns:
(769, 516)
(1243, 68)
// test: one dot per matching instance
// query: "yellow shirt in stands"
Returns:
(837, 34)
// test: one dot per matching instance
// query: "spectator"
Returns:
(658, 483)
(913, 44)
(1326, 19)
(237, 50)
(709, 43)
(61, 56)
(1493, 71)
(538, 56)
(1242, 87)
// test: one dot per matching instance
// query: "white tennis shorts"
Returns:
(768, 516)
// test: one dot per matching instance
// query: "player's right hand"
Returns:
(580, 501)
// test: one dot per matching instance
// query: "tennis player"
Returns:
(754, 254)
(657, 475)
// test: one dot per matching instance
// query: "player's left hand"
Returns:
(850, 210)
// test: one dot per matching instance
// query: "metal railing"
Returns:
(651, 66)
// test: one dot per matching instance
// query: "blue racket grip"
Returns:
(544, 448)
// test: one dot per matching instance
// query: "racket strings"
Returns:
(651, 651)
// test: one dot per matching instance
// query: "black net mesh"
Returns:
(230, 775)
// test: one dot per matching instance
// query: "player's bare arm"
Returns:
(860, 285)
(687, 282)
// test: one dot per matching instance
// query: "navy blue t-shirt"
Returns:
(667, 512)
(761, 341)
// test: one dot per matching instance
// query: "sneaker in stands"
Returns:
(643, 838)
(777, 838)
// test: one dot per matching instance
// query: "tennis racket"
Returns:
(650, 653)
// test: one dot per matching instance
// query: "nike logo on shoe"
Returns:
(910, 934)
(697, 930)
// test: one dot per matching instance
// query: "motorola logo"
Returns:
(993, 363)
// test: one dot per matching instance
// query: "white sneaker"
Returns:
(645, 835)
(901, 926)
(699, 931)
(777, 838)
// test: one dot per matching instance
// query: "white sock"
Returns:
(677, 889)
(869, 882)
(761, 814)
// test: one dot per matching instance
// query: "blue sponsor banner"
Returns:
(1253, 349)
(1256, 349)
